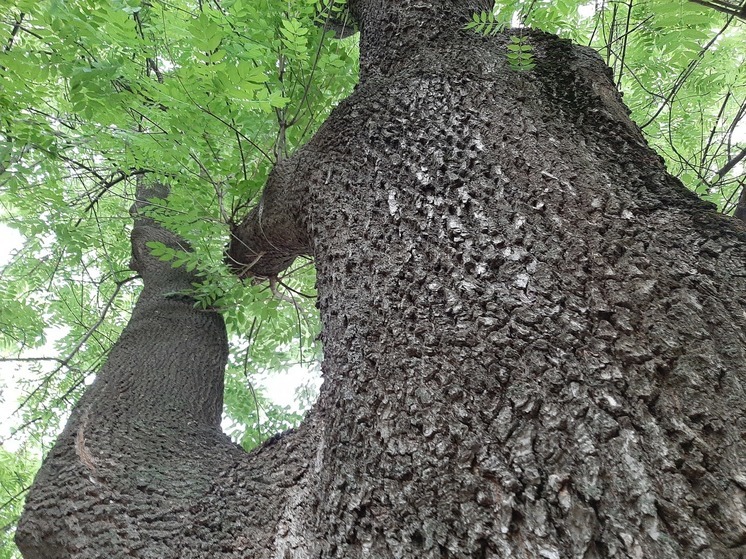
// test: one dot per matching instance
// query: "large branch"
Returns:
(142, 468)
(274, 233)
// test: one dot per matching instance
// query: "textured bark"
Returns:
(534, 337)
(142, 468)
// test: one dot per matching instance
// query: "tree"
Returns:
(523, 336)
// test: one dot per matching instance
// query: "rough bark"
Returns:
(534, 337)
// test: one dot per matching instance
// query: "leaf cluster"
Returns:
(98, 94)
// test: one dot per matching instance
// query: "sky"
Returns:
(10, 240)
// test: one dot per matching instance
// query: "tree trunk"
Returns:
(142, 468)
(534, 338)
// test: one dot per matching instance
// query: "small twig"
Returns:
(14, 497)
(724, 7)
(684, 75)
(286, 286)
(30, 359)
(246, 374)
(740, 211)
(730, 164)
(273, 282)
(115, 179)
(14, 32)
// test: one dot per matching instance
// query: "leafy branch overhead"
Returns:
(519, 49)
(693, 111)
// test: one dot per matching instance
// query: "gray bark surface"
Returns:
(142, 468)
(534, 338)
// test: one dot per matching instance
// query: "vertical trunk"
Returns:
(534, 337)
(133, 438)
(740, 211)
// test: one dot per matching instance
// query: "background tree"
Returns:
(99, 113)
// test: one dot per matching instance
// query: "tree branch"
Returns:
(730, 164)
(740, 211)
(724, 7)
(678, 84)
(65, 362)
(14, 32)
